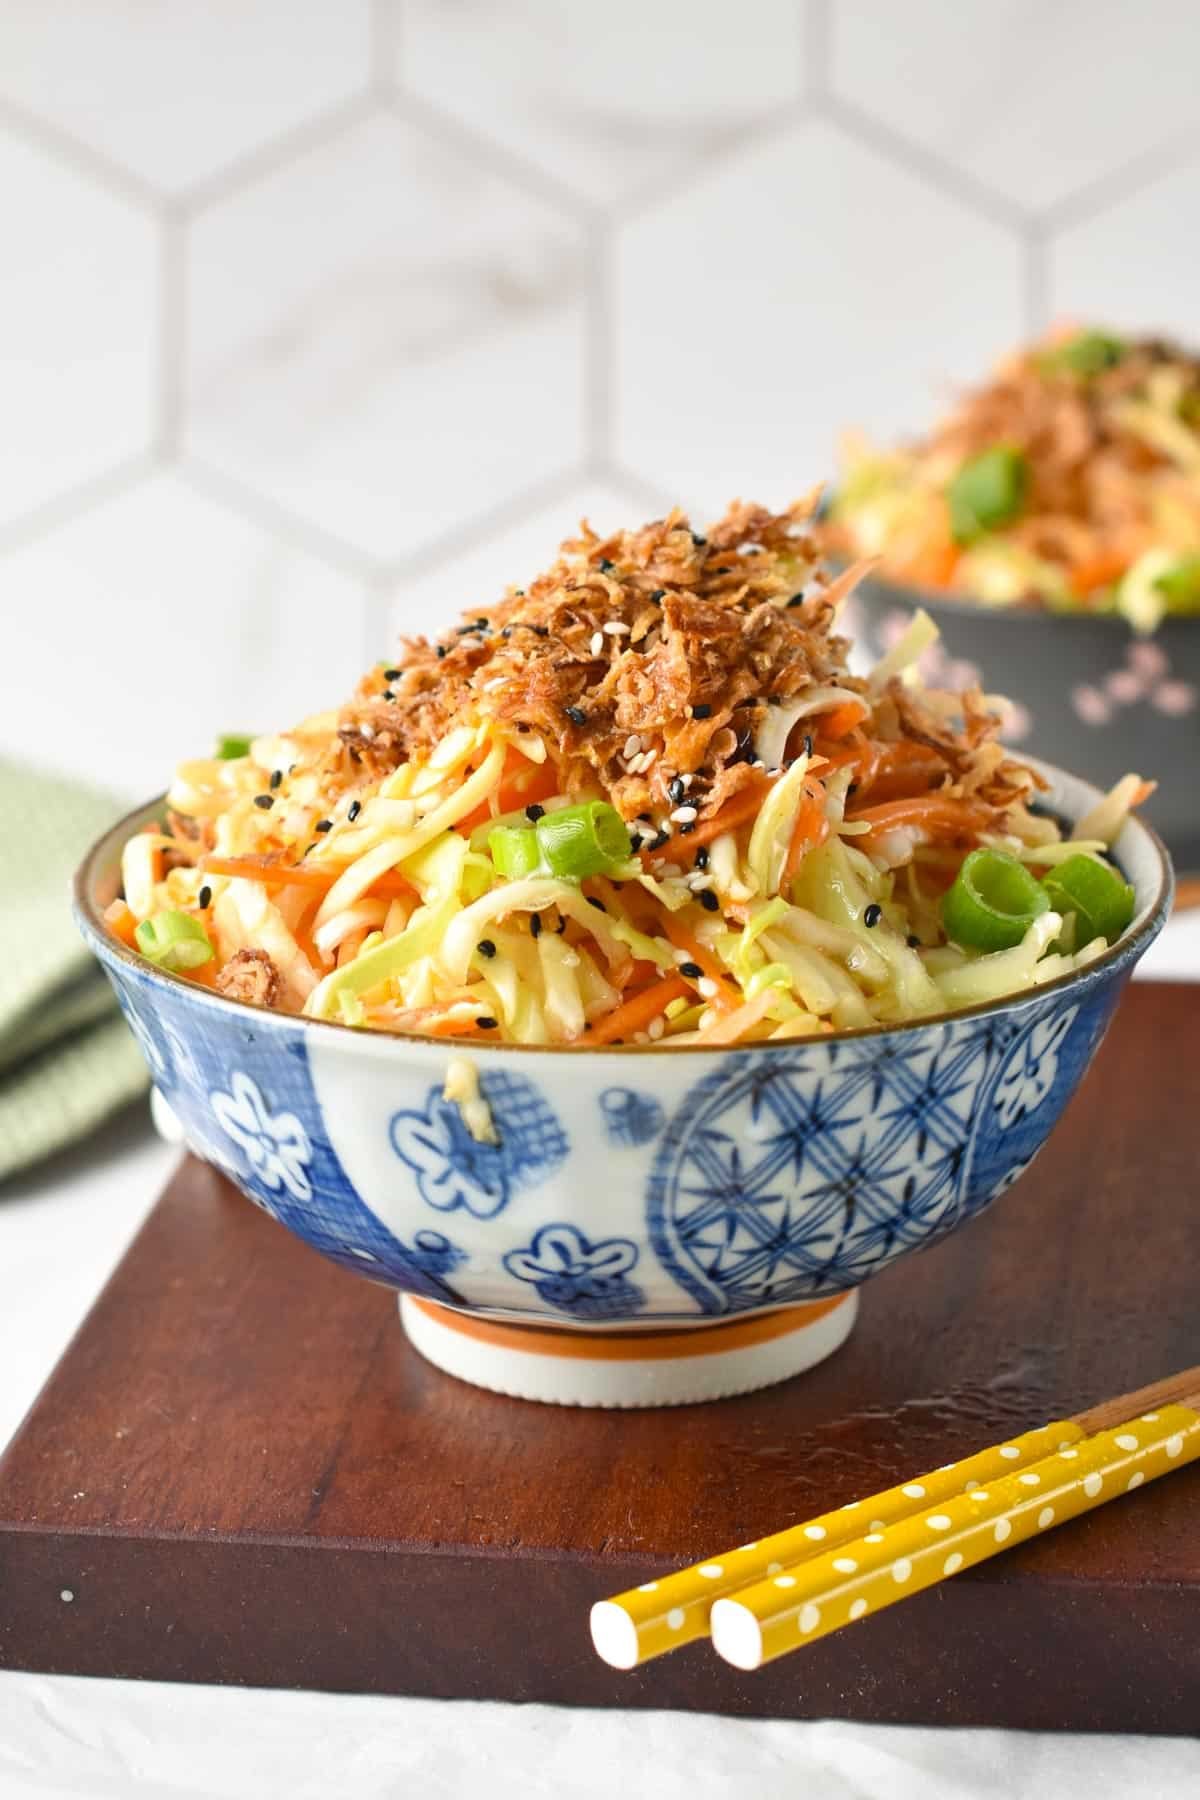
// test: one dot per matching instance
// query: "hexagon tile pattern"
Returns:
(1141, 254)
(175, 93)
(607, 103)
(760, 315)
(78, 273)
(1037, 102)
(385, 338)
(108, 597)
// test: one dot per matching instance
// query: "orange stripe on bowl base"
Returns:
(631, 1346)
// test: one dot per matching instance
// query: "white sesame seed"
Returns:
(615, 628)
(597, 643)
(495, 682)
(648, 757)
(366, 731)
(686, 780)
(708, 987)
(705, 1019)
(669, 869)
(699, 880)
(685, 815)
(633, 745)
(655, 1028)
(681, 956)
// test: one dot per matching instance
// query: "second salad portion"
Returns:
(1070, 480)
(641, 801)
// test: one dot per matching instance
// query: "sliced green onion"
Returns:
(987, 492)
(516, 851)
(1101, 902)
(578, 841)
(1180, 585)
(1087, 353)
(174, 940)
(993, 902)
(231, 746)
(571, 844)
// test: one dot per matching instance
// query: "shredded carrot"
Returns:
(521, 784)
(841, 721)
(940, 818)
(637, 1012)
(904, 771)
(318, 876)
(1098, 571)
(734, 1025)
(678, 934)
(735, 812)
(121, 922)
(810, 830)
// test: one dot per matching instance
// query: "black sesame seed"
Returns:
(535, 924)
(645, 818)
(808, 745)
(676, 789)
(276, 778)
(913, 941)
(507, 632)
(687, 829)
(698, 540)
(323, 825)
(664, 837)
(692, 970)
(702, 857)
(355, 809)
(796, 600)
(852, 789)
(486, 947)
(534, 813)
(441, 650)
(392, 674)
(598, 904)
(872, 915)
(709, 901)
(540, 630)
(204, 897)
(703, 711)
(266, 801)
(606, 567)
(656, 596)
(387, 694)
(576, 715)
(723, 570)
(486, 1022)
(562, 924)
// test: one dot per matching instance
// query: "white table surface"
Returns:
(62, 1228)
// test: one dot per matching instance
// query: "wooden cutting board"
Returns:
(241, 1473)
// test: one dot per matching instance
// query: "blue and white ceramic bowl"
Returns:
(645, 1188)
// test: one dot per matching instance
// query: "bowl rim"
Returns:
(106, 947)
(907, 593)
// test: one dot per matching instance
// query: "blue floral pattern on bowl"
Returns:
(723, 1181)
(454, 1169)
(572, 1274)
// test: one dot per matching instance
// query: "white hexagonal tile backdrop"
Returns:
(319, 321)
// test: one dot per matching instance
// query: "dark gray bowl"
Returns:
(1092, 695)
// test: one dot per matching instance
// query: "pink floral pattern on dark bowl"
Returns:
(1087, 693)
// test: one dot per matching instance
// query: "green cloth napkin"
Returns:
(67, 1058)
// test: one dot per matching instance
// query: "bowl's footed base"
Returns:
(629, 1368)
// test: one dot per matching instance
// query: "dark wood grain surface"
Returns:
(241, 1472)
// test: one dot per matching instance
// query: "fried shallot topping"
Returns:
(642, 659)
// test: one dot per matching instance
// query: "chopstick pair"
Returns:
(778, 1593)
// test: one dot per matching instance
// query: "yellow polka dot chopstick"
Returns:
(767, 1597)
